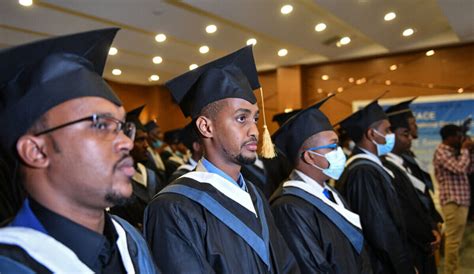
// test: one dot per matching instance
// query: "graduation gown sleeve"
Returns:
(371, 197)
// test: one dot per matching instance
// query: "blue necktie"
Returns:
(329, 195)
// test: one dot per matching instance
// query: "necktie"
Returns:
(329, 195)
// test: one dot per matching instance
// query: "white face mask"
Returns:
(336, 160)
(388, 146)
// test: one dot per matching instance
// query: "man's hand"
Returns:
(435, 244)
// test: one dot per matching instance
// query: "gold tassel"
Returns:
(268, 150)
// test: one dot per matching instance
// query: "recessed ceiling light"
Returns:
(211, 29)
(113, 51)
(116, 72)
(204, 49)
(361, 81)
(282, 52)
(390, 16)
(160, 38)
(388, 82)
(340, 89)
(287, 110)
(393, 67)
(320, 27)
(25, 3)
(286, 9)
(351, 80)
(345, 40)
(325, 77)
(430, 53)
(157, 60)
(154, 77)
(408, 32)
(251, 41)
(319, 90)
(460, 90)
(193, 66)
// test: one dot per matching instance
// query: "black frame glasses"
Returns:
(98, 122)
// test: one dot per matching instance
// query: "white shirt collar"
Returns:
(374, 157)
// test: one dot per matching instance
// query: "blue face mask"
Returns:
(336, 160)
(157, 143)
(388, 146)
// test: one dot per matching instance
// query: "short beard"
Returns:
(118, 200)
(245, 160)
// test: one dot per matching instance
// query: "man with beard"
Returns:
(323, 234)
(64, 127)
(145, 182)
(451, 170)
(212, 220)
(422, 230)
(368, 188)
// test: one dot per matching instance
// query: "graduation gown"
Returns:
(412, 166)
(185, 237)
(317, 242)
(44, 242)
(367, 188)
(183, 169)
(11, 194)
(417, 218)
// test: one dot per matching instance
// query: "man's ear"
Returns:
(32, 151)
(306, 156)
(204, 126)
(370, 134)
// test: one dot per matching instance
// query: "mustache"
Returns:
(126, 159)
(253, 139)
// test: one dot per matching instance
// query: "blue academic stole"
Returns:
(353, 234)
(261, 245)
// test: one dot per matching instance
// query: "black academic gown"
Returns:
(186, 238)
(11, 193)
(317, 243)
(411, 164)
(417, 219)
(371, 195)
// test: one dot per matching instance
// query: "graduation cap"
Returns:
(172, 136)
(282, 117)
(358, 122)
(398, 114)
(293, 133)
(188, 135)
(134, 117)
(151, 125)
(36, 77)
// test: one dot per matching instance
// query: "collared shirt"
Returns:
(374, 157)
(317, 187)
(98, 251)
(451, 173)
(213, 169)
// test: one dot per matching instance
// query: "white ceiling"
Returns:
(435, 23)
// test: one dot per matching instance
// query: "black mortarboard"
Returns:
(358, 122)
(293, 133)
(134, 117)
(172, 136)
(150, 126)
(281, 118)
(232, 76)
(398, 114)
(38, 76)
(189, 135)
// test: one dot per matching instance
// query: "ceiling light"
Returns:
(116, 72)
(25, 3)
(211, 29)
(282, 52)
(408, 32)
(160, 38)
(286, 9)
(204, 49)
(390, 16)
(193, 66)
(154, 78)
(345, 40)
(388, 82)
(340, 89)
(393, 67)
(460, 90)
(113, 51)
(361, 81)
(320, 27)
(430, 53)
(325, 77)
(287, 110)
(157, 60)
(251, 41)
(351, 80)
(320, 90)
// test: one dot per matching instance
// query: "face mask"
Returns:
(351, 145)
(157, 143)
(388, 146)
(336, 160)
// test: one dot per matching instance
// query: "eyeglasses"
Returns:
(103, 124)
(331, 146)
